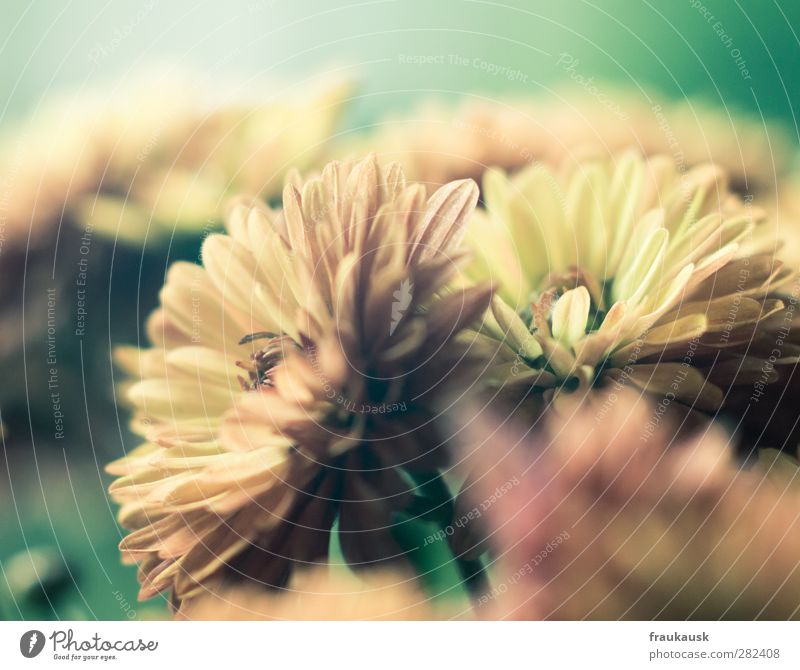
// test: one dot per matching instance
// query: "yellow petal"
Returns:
(519, 337)
(570, 314)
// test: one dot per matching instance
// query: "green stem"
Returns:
(441, 505)
(474, 576)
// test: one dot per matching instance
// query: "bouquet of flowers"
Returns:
(496, 360)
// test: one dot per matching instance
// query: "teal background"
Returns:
(52, 496)
(48, 44)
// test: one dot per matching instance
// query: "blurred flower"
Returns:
(754, 153)
(624, 273)
(441, 142)
(293, 377)
(43, 164)
(155, 156)
(768, 415)
(322, 594)
(783, 233)
(603, 524)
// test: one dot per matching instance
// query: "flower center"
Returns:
(262, 362)
(554, 285)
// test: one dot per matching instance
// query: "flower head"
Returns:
(783, 233)
(601, 524)
(287, 390)
(441, 142)
(623, 273)
(155, 156)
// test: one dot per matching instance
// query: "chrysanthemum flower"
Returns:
(768, 414)
(292, 380)
(441, 142)
(175, 170)
(600, 524)
(157, 155)
(43, 164)
(783, 233)
(753, 153)
(623, 273)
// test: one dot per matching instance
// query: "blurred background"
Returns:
(73, 285)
